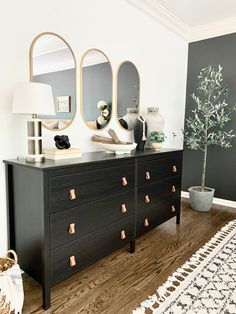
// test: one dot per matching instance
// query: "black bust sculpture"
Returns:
(140, 133)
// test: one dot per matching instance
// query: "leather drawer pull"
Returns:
(122, 235)
(72, 261)
(147, 175)
(72, 194)
(72, 228)
(174, 168)
(123, 208)
(173, 209)
(173, 189)
(146, 223)
(146, 199)
(124, 181)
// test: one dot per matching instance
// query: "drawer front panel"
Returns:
(156, 215)
(73, 224)
(151, 171)
(70, 258)
(153, 193)
(75, 189)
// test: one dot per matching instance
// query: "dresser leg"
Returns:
(46, 297)
(132, 246)
(178, 219)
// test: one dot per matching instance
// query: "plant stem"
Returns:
(204, 169)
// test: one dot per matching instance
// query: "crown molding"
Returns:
(173, 23)
(162, 15)
(223, 27)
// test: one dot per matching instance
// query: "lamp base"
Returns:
(35, 153)
(35, 158)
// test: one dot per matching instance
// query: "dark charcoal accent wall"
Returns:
(221, 167)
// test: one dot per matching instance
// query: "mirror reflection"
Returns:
(128, 86)
(53, 63)
(96, 91)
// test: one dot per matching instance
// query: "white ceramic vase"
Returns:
(130, 117)
(155, 122)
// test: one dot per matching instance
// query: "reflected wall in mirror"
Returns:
(128, 86)
(96, 89)
(52, 62)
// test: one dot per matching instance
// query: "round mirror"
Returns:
(96, 89)
(52, 62)
(128, 86)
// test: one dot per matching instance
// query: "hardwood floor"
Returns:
(119, 282)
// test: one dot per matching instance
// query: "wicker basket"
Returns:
(11, 286)
(7, 262)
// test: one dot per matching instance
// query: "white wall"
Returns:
(116, 28)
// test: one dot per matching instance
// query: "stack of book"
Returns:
(58, 154)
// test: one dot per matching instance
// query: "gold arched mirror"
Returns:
(128, 89)
(96, 89)
(52, 62)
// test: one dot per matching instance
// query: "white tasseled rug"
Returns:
(206, 284)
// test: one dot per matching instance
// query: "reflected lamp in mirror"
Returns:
(33, 99)
(52, 62)
(96, 89)
(128, 90)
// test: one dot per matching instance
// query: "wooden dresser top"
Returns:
(91, 157)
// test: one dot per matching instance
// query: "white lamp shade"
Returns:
(33, 98)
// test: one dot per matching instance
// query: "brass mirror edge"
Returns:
(81, 89)
(31, 73)
(117, 73)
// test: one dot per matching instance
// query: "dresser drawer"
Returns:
(156, 215)
(73, 224)
(153, 193)
(153, 170)
(74, 256)
(69, 191)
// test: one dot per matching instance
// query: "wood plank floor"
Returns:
(118, 283)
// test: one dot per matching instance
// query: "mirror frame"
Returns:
(117, 74)
(31, 73)
(81, 89)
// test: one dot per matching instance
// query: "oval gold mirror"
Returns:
(52, 62)
(128, 87)
(96, 89)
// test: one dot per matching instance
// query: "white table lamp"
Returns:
(34, 99)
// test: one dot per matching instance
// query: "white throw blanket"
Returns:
(11, 289)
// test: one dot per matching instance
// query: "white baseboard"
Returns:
(218, 201)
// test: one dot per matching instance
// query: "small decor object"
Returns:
(64, 104)
(35, 99)
(157, 138)
(59, 154)
(205, 127)
(140, 133)
(204, 284)
(62, 141)
(155, 122)
(113, 144)
(11, 285)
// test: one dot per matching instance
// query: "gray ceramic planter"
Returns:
(201, 201)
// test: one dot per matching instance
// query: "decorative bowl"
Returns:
(118, 149)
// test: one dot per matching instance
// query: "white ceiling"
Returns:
(192, 19)
(199, 12)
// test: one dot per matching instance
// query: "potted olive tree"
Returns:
(157, 138)
(206, 127)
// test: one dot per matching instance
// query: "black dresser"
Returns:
(65, 215)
